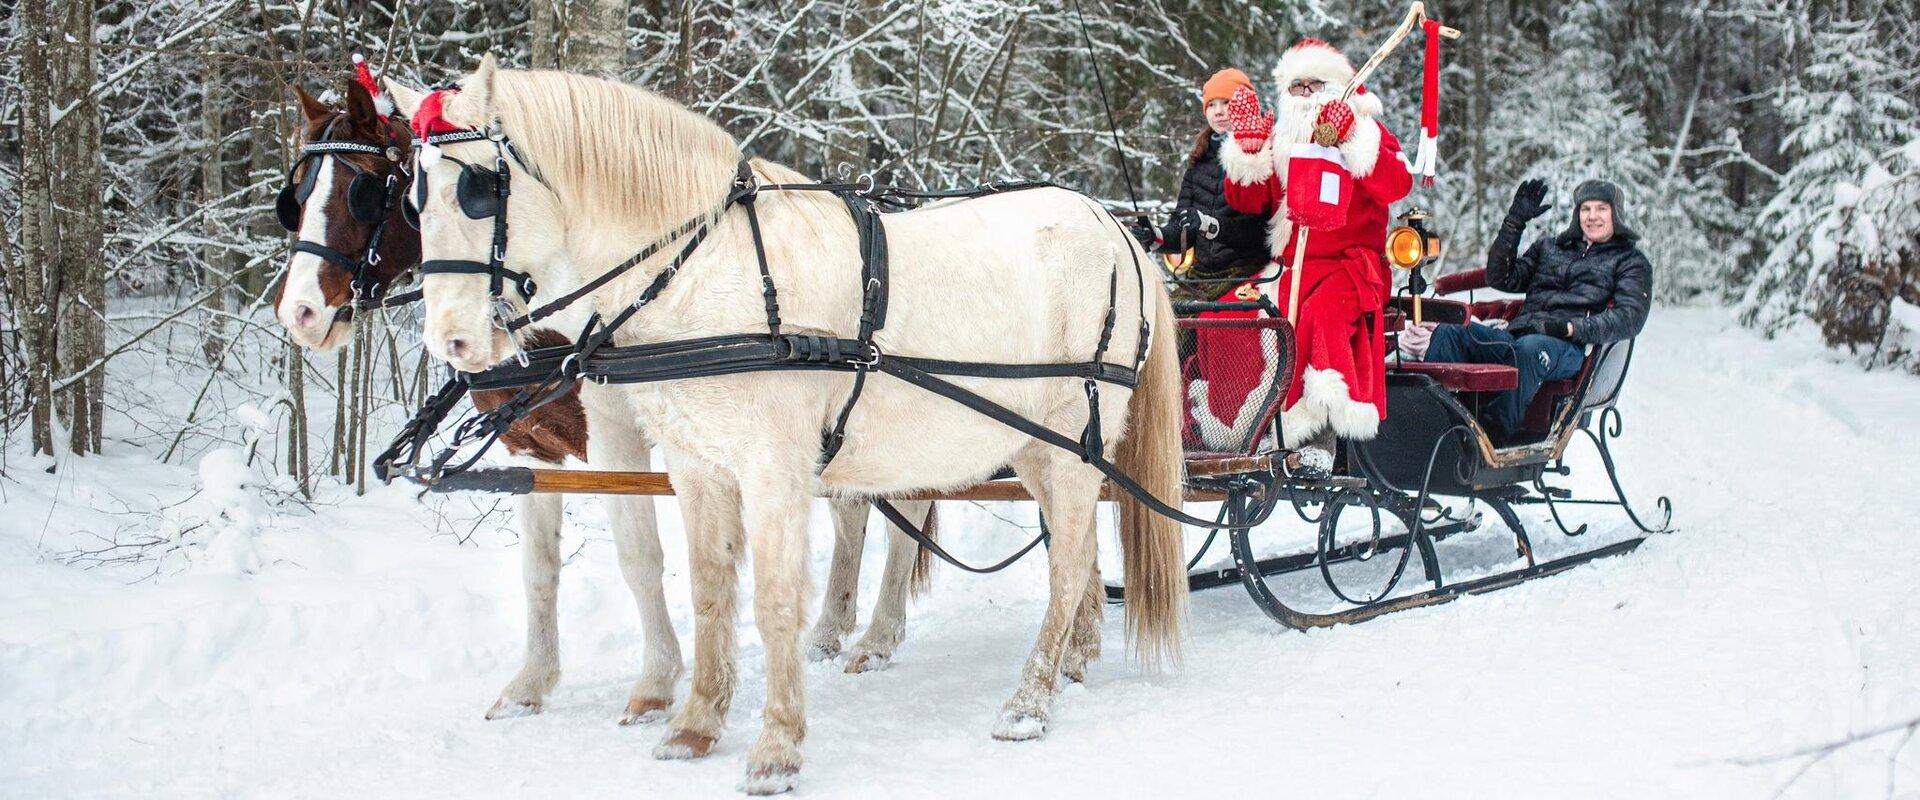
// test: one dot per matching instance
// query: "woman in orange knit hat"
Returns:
(1228, 246)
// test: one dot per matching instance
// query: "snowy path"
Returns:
(351, 652)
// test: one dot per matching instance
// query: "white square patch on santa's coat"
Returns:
(1330, 188)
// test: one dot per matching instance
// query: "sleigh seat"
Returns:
(1553, 395)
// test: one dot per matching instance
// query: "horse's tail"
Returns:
(1151, 545)
(921, 579)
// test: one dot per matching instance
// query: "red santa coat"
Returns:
(1338, 370)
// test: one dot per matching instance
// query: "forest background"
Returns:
(1770, 154)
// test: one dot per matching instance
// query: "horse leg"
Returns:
(1083, 644)
(710, 502)
(616, 443)
(540, 516)
(838, 606)
(889, 623)
(776, 520)
(1070, 492)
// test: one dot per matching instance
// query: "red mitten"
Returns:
(1250, 127)
(1335, 125)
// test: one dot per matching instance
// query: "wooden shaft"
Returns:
(1293, 290)
(656, 484)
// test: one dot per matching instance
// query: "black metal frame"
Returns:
(1455, 465)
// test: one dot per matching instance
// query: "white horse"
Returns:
(312, 296)
(1020, 277)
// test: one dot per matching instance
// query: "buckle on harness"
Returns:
(872, 360)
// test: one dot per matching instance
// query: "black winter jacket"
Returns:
(1240, 248)
(1603, 289)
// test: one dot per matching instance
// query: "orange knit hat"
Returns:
(1222, 84)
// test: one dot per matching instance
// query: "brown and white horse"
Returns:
(591, 424)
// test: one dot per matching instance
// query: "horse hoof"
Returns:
(823, 650)
(1019, 727)
(682, 746)
(642, 710)
(867, 662)
(508, 709)
(769, 779)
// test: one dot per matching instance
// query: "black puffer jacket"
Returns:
(1240, 248)
(1603, 289)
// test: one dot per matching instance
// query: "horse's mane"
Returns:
(609, 148)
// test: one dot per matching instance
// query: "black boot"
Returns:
(1314, 459)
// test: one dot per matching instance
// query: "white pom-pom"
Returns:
(359, 59)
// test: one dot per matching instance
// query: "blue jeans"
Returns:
(1539, 359)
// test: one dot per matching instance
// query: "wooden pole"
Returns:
(656, 484)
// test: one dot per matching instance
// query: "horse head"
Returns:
(582, 171)
(342, 202)
(473, 279)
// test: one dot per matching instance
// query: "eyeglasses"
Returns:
(1305, 87)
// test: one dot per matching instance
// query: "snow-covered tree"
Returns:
(1845, 232)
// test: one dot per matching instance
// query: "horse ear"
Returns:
(473, 106)
(313, 109)
(360, 106)
(406, 99)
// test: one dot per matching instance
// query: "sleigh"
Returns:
(1380, 513)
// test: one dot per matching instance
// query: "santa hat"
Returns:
(364, 76)
(1314, 59)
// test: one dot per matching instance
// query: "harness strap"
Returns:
(1004, 416)
(522, 282)
(874, 287)
(697, 227)
(913, 532)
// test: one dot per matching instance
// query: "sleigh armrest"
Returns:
(1463, 377)
(1463, 281)
(1432, 309)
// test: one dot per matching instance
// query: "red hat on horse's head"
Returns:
(430, 118)
(364, 76)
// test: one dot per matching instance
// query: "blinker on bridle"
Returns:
(369, 200)
(482, 194)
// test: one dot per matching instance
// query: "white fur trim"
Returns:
(1324, 401)
(1428, 155)
(1320, 62)
(1366, 104)
(1279, 230)
(1362, 149)
(1243, 167)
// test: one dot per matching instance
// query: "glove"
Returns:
(1209, 227)
(1414, 340)
(1526, 202)
(1143, 230)
(1335, 124)
(1250, 127)
(1557, 329)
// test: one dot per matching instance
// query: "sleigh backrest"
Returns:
(1236, 371)
(1609, 373)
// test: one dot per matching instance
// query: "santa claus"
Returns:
(1345, 183)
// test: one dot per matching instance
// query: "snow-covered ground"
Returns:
(350, 648)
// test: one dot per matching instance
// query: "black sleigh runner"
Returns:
(1374, 515)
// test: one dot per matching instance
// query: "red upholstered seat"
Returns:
(1464, 377)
